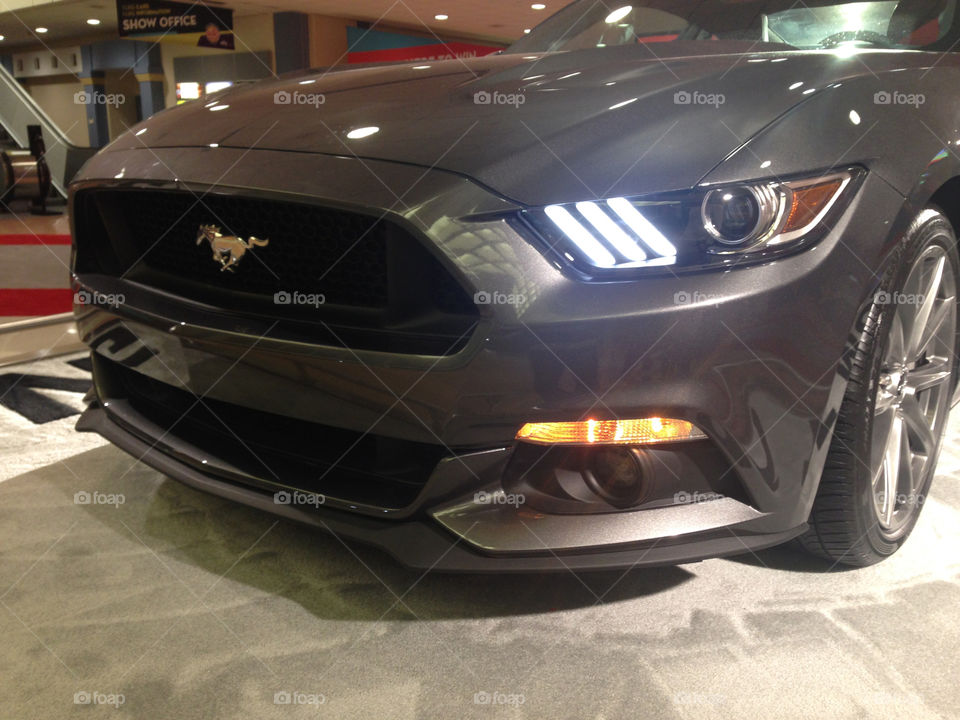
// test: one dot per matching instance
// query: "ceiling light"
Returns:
(441, 17)
(363, 132)
(41, 30)
(526, 31)
(93, 21)
(538, 6)
(2, 38)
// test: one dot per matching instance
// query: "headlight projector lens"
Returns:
(740, 215)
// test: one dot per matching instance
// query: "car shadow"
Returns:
(790, 557)
(342, 580)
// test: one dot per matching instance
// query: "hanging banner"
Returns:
(195, 24)
(371, 46)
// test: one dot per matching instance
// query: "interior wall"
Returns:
(252, 33)
(121, 115)
(57, 97)
(328, 40)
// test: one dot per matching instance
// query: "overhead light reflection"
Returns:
(619, 14)
(623, 104)
(363, 132)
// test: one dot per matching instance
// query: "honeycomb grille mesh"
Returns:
(311, 249)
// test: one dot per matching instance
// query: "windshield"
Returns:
(901, 24)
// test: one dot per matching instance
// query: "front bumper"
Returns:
(754, 357)
(425, 544)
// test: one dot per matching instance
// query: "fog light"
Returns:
(619, 475)
(610, 432)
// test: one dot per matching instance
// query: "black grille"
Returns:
(312, 250)
(277, 450)
(371, 272)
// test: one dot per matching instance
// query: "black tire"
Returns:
(851, 522)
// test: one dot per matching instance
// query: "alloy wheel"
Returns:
(914, 388)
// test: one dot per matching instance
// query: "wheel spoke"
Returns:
(891, 470)
(917, 425)
(935, 372)
(886, 401)
(896, 345)
(925, 309)
(905, 476)
(942, 310)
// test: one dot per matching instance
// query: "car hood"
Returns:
(535, 129)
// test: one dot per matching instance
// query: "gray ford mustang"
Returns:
(659, 282)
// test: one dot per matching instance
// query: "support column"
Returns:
(92, 97)
(149, 73)
(291, 38)
(151, 94)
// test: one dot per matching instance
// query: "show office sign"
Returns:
(179, 22)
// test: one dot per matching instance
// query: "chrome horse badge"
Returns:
(227, 249)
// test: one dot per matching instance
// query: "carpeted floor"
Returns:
(169, 603)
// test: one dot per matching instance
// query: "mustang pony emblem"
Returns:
(228, 250)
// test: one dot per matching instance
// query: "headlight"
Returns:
(709, 226)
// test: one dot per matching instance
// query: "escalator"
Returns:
(18, 111)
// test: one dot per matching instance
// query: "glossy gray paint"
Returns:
(760, 366)
(651, 145)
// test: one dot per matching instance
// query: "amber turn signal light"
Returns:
(644, 431)
(808, 202)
